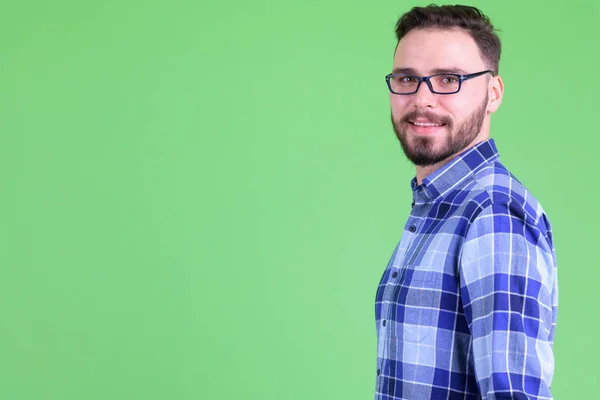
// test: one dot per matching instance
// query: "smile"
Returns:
(425, 124)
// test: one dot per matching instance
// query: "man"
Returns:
(466, 308)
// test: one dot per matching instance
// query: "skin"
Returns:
(465, 115)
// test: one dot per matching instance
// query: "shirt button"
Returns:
(383, 322)
(378, 371)
(394, 275)
(412, 228)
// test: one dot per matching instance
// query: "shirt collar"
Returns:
(452, 174)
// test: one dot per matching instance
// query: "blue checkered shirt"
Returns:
(466, 307)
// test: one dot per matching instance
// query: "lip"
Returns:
(425, 130)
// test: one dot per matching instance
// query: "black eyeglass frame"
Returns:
(427, 79)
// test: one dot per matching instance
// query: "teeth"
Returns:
(426, 124)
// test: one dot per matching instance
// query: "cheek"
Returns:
(456, 108)
(466, 103)
(398, 104)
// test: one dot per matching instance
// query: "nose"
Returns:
(424, 97)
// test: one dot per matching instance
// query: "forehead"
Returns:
(425, 50)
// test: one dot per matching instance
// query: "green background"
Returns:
(198, 199)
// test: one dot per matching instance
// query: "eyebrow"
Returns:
(412, 71)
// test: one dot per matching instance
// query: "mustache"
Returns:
(436, 119)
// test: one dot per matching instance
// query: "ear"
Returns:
(495, 93)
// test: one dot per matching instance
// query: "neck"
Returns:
(423, 171)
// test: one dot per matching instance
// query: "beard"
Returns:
(422, 151)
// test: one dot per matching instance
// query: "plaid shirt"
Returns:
(466, 308)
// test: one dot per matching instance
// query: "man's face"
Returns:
(464, 116)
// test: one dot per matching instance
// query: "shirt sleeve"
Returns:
(508, 290)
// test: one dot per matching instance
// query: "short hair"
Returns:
(467, 18)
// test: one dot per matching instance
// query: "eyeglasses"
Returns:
(438, 83)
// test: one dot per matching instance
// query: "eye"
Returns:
(405, 79)
(448, 79)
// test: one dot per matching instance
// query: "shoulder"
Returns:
(498, 194)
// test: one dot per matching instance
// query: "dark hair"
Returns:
(468, 18)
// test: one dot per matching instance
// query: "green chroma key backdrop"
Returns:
(199, 198)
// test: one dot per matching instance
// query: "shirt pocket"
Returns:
(420, 304)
